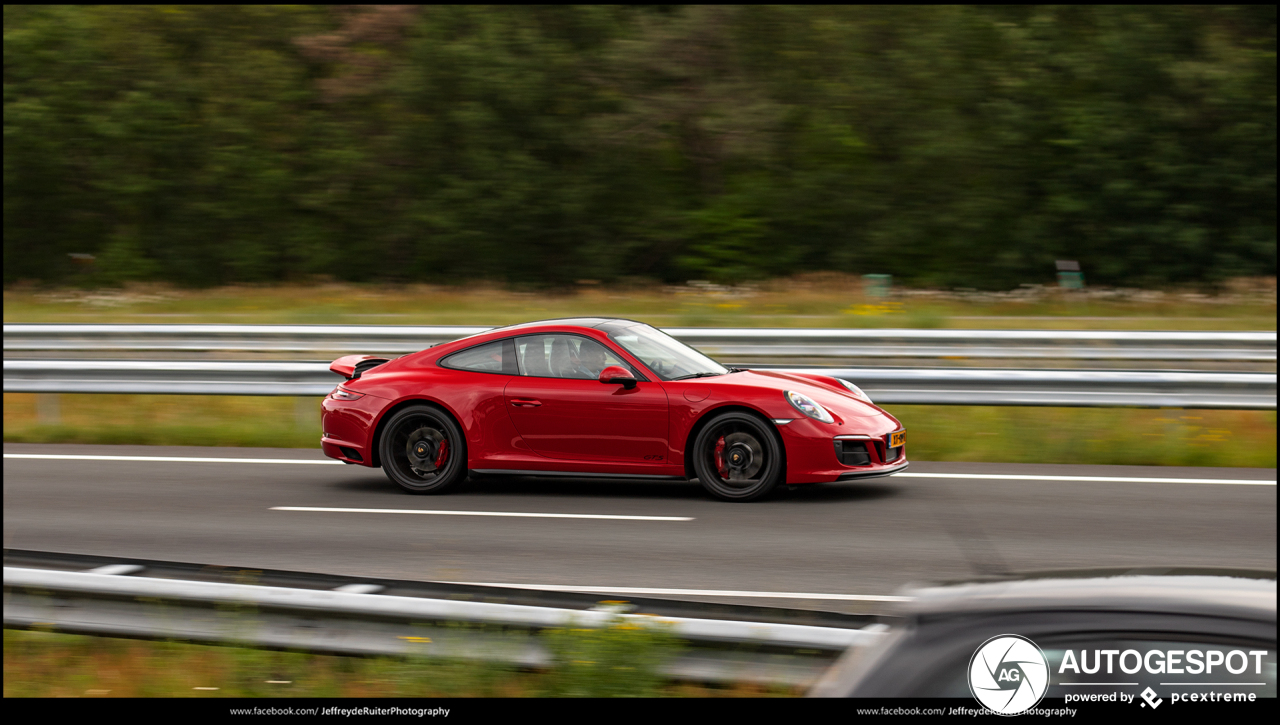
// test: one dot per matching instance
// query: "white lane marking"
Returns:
(1112, 479)
(693, 592)
(361, 588)
(513, 514)
(117, 569)
(171, 459)
(329, 462)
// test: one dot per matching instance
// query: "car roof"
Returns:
(1247, 594)
(563, 322)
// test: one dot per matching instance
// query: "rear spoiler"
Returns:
(353, 366)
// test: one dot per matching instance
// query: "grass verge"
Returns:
(1098, 436)
(614, 662)
(813, 300)
(1116, 436)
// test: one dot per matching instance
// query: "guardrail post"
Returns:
(47, 409)
(305, 411)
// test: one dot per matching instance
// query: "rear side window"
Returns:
(492, 357)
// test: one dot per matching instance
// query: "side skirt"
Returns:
(574, 474)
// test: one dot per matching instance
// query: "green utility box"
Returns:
(1069, 274)
(877, 285)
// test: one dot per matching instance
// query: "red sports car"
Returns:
(601, 398)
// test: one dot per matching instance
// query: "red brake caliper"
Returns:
(720, 467)
(443, 453)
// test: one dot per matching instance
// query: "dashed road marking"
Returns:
(693, 592)
(512, 514)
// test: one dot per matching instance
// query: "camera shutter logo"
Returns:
(1008, 674)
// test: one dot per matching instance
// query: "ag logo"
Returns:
(1008, 674)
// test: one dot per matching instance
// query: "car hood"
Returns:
(832, 396)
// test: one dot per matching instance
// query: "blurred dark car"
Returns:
(1226, 617)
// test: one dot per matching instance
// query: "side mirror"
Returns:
(616, 374)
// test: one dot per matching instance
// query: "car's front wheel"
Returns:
(737, 457)
(423, 451)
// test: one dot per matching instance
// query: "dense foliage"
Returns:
(955, 146)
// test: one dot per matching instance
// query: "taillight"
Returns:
(339, 393)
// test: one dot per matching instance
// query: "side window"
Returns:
(492, 357)
(564, 356)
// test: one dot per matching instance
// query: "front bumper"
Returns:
(883, 471)
(811, 452)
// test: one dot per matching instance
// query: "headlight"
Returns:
(854, 389)
(806, 405)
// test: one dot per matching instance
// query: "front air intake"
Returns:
(853, 453)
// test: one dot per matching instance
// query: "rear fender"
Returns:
(375, 441)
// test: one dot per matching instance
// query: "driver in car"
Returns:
(591, 360)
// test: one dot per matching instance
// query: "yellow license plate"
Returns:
(897, 439)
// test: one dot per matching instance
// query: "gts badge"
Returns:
(653, 458)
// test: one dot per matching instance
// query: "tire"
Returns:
(423, 451)
(738, 457)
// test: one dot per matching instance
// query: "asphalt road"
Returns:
(849, 539)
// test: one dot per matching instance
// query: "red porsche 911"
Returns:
(601, 398)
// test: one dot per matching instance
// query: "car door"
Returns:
(563, 411)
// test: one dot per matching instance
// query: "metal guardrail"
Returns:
(746, 343)
(177, 377)
(354, 619)
(927, 386)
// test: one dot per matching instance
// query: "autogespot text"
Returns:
(1159, 662)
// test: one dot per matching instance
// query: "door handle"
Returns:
(525, 402)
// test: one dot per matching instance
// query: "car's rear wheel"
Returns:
(737, 457)
(423, 451)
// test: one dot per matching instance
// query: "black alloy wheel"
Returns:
(423, 451)
(737, 457)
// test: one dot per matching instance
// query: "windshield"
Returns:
(667, 357)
